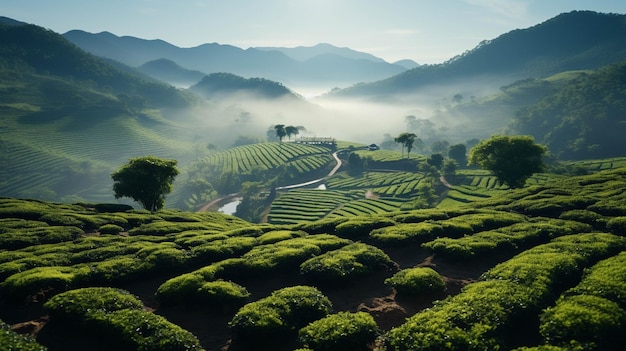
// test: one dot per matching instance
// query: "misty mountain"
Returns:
(408, 64)
(32, 48)
(219, 85)
(303, 53)
(570, 41)
(271, 63)
(169, 71)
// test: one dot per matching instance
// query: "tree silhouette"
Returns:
(291, 130)
(407, 140)
(280, 132)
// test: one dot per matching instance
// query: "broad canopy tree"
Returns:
(512, 159)
(407, 140)
(146, 180)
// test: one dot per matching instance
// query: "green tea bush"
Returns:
(21, 238)
(346, 263)
(587, 319)
(75, 305)
(326, 225)
(179, 289)
(130, 329)
(605, 279)
(163, 256)
(584, 216)
(417, 281)
(475, 319)
(22, 264)
(360, 227)
(110, 229)
(420, 216)
(487, 314)
(282, 313)
(617, 225)
(341, 331)
(222, 293)
(415, 232)
(62, 219)
(116, 269)
(279, 235)
(49, 280)
(12, 341)
(112, 208)
(283, 255)
(221, 249)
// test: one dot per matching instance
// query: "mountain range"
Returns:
(570, 41)
(291, 66)
(80, 115)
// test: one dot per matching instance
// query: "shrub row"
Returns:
(487, 314)
(115, 318)
(284, 312)
(593, 312)
(505, 239)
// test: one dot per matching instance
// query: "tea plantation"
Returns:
(491, 268)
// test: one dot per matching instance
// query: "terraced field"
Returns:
(267, 156)
(60, 155)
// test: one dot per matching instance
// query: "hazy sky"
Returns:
(426, 31)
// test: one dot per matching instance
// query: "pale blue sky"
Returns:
(427, 31)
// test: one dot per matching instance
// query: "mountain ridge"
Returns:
(569, 41)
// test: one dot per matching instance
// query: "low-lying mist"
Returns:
(222, 120)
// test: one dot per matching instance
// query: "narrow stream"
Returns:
(230, 208)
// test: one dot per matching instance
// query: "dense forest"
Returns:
(584, 119)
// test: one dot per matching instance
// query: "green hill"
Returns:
(69, 119)
(583, 119)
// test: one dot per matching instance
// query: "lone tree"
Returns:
(280, 132)
(512, 159)
(407, 140)
(146, 180)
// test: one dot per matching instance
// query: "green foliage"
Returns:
(142, 331)
(617, 225)
(76, 305)
(110, 229)
(422, 281)
(340, 331)
(278, 235)
(47, 280)
(14, 341)
(486, 314)
(360, 227)
(146, 180)
(285, 311)
(221, 293)
(588, 319)
(512, 159)
(344, 264)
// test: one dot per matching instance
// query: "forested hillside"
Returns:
(583, 119)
